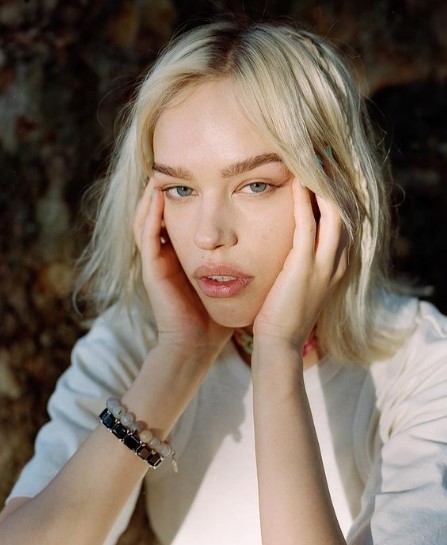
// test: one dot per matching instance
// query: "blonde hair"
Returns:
(299, 92)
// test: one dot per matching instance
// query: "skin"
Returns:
(213, 215)
(295, 505)
(291, 284)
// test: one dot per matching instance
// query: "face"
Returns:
(228, 201)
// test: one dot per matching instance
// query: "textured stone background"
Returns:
(67, 67)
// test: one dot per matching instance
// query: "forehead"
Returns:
(207, 120)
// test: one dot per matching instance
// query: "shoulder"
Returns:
(425, 328)
(405, 489)
(106, 360)
(414, 379)
(120, 322)
(118, 332)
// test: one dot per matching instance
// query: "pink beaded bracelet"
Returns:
(135, 435)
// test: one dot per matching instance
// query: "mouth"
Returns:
(221, 280)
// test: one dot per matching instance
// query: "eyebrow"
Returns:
(232, 170)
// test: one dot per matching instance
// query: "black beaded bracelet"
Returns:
(131, 440)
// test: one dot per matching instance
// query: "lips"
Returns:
(221, 280)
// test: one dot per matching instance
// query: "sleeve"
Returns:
(405, 497)
(104, 363)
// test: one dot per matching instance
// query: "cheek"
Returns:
(274, 250)
(271, 242)
(177, 229)
(279, 238)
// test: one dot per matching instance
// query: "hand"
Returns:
(316, 263)
(181, 318)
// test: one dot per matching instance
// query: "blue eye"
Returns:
(257, 187)
(179, 191)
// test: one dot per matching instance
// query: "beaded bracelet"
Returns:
(135, 435)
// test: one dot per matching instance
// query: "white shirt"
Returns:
(382, 433)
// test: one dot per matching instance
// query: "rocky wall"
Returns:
(66, 69)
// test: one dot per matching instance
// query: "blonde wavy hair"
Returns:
(300, 93)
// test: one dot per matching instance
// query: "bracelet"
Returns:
(135, 435)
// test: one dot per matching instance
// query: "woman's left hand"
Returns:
(315, 264)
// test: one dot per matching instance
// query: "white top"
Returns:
(382, 433)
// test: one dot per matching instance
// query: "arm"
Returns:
(83, 501)
(295, 506)
(81, 504)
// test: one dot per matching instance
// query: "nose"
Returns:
(215, 226)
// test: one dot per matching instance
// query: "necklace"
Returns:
(245, 341)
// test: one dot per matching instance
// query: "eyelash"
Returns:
(176, 187)
(265, 184)
(267, 188)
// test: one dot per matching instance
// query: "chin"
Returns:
(231, 318)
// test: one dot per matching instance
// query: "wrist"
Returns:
(168, 380)
(179, 353)
(267, 345)
(198, 346)
(276, 357)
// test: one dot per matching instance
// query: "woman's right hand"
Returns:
(182, 320)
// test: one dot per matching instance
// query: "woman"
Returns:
(244, 221)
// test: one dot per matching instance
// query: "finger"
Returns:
(332, 238)
(141, 214)
(151, 242)
(305, 224)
